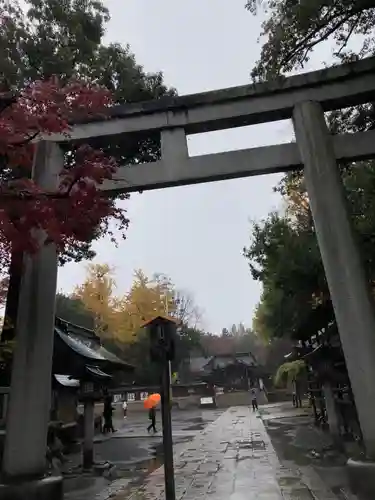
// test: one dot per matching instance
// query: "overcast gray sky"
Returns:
(199, 45)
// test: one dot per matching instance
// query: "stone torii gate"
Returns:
(304, 98)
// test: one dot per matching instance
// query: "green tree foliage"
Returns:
(73, 310)
(283, 253)
(188, 340)
(284, 257)
(293, 29)
(289, 372)
(45, 38)
(137, 353)
(277, 349)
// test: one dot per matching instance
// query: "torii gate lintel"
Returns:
(303, 97)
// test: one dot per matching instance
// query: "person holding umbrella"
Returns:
(152, 417)
(150, 403)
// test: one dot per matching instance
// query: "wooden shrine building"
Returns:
(317, 342)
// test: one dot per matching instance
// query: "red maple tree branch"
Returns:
(78, 207)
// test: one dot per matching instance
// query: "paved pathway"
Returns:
(232, 459)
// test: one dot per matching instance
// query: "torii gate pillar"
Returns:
(24, 458)
(350, 290)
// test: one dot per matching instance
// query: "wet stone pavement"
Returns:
(307, 449)
(131, 453)
(232, 458)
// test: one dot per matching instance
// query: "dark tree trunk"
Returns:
(11, 308)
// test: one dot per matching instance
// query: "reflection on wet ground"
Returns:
(196, 427)
(235, 448)
(233, 458)
(303, 447)
(131, 454)
(84, 486)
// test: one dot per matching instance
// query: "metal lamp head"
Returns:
(162, 334)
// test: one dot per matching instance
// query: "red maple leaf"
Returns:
(78, 208)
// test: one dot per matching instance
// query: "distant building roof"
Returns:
(94, 370)
(199, 364)
(77, 329)
(67, 381)
(109, 356)
(246, 358)
(161, 318)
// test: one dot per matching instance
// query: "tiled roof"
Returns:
(199, 364)
(87, 346)
(67, 381)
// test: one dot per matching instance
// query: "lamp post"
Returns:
(87, 395)
(162, 333)
(169, 362)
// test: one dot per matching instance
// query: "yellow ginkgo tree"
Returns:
(97, 295)
(147, 298)
(121, 317)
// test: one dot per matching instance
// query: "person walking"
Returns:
(107, 415)
(297, 403)
(152, 417)
(254, 400)
(125, 408)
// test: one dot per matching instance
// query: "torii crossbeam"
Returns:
(304, 98)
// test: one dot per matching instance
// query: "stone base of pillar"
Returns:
(362, 478)
(88, 460)
(43, 489)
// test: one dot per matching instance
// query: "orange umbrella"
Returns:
(152, 401)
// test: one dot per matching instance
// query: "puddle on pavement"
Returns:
(197, 420)
(300, 494)
(299, 440)
(135, 470)
(293, 490)
(196, 427)
(251, 445)
(148, 466)
(143, 467)
(300, 445)
(288, 481)
(80, 482)
(250, 457)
